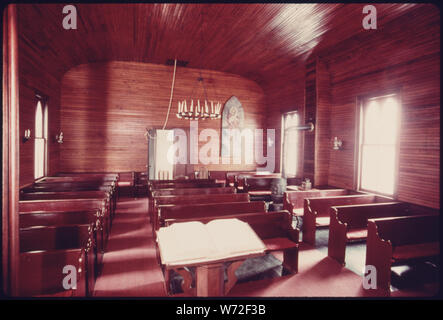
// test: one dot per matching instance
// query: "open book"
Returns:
(194, 242)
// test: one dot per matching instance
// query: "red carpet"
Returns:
(318, 276)
(131, 269)
(130, 264)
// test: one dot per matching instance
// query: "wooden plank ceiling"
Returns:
(257, 41)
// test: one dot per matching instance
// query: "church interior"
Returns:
(221, 150)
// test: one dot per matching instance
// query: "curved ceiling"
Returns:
(257, 41)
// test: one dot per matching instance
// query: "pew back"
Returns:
(321, 206)
(61, 205)
(356, 216)
(178, 185)
(170, 212)
(55, 237)
(295, 199)
(408, 230)
(192, 191)
(50, 195)
(44, 218)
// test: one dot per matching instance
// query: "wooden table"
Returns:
(209, 271)
(209, 275)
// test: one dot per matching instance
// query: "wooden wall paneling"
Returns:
(269, 45)
(267, 37)
(323, 142)
(405, 55)
(285, 93)
(106, 107)
(36, 74)
(310, 116)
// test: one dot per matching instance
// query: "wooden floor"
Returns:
(131, 270)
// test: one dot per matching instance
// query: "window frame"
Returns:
(43, 100)
(283, 142)
(361, 103)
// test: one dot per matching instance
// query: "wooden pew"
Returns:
(349, 223)
(259, 188)
(109, 187)
(50, 195)
(396, 240)
(156, 182)
(141, 183)
(187, 185)
(241, 180)
(192, 191)
(293, 201)
(199, 198)
(165, 213)
(76, 179)
(67, 218)
(71, 190)
(110, 201)
(45, 251)
(87, 174)
(72, 205)
(231, 177)
(316, 211)
(70, 186)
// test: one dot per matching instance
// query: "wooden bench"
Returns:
(316, 211)
(349, 223)
(396, 240)
(192, 191)
(87, 174)
(71, 190)
(187, 185)
(293, 201)
(67, 218)
(98, 205)
(231, 176)
(166, 213)
(77, 179)
(155, 182)
(259, 188)
(52, 195)
(199, 198)
(70, 186)
(45, 251)
(241, 179)
(141, 183)
(110, 201)
(109, 187)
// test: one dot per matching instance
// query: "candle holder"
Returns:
(27, 135)
(199, 112)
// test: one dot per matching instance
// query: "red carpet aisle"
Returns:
(130, 266)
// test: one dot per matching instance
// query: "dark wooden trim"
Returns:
(10, 194)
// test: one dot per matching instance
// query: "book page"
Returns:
(234, 237)
(182, 242)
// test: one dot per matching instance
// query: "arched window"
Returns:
(290, 144)
(40, 140)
